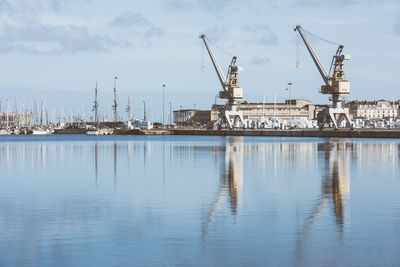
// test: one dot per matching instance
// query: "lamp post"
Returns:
(179, 115)
(290, 103)
(163, 103)
(170, 114)
(144, 111)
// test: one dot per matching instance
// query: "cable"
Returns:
(319, 37)
(220, 48)
(298, 52)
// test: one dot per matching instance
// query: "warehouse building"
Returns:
(296, 108)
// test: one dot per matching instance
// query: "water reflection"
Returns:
(335, 190)
(336, 177)
(278, 201)
(231, 179)
(232, 172)
(96, 159)
(115, 150)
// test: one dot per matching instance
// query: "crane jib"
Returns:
(215, 64)
(314, 56)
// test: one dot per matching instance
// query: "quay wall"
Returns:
(69, 131)
(338, 133)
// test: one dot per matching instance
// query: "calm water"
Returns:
(181, 200)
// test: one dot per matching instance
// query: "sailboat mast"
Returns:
(95, 107)
(7, 114)
(115, 106)
(144, 111)
(128, 108)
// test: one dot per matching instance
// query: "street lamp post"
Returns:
(290, 103)
(170, 114)
(144, 111)
(179, 116)
(163, 104)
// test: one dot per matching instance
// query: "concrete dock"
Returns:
(339, 133)
(141, 132)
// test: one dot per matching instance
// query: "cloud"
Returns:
(180, 4)
(143, 27)
(397, 26)
(24, 28)
(319, 3)
(215, 33)
(48, 39)
(260, 61)
(324, 2)
(209, 5)
(216, 5)
(142, 24)
(261, 35)
(128, 20)
(5, 7)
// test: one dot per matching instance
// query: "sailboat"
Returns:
(5, 132)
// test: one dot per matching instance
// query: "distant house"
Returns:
(374, 109)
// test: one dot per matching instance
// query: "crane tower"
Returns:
(335, 83)
(230, 89)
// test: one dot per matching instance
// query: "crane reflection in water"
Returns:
(336, 179)
(335, 188)
(231, 180)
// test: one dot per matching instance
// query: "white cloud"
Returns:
(324, 2)
(397, 26)
(209, 5)
(27, 27)
(215, 33)
(130, 19)
(261, 35)
(143, 27)
(260, 61)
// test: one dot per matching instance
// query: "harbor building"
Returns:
(295, 108)
(290, 109)
(190, 117)
(12, 119)
(374, 109)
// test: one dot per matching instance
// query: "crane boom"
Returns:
(317, 61)
(217, 68)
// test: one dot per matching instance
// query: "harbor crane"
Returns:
(335, 83)
(230, 89)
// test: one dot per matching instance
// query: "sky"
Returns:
(56, 50)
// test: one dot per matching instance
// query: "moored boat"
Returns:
(5, 132)
(92, 132)
(39, 131)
